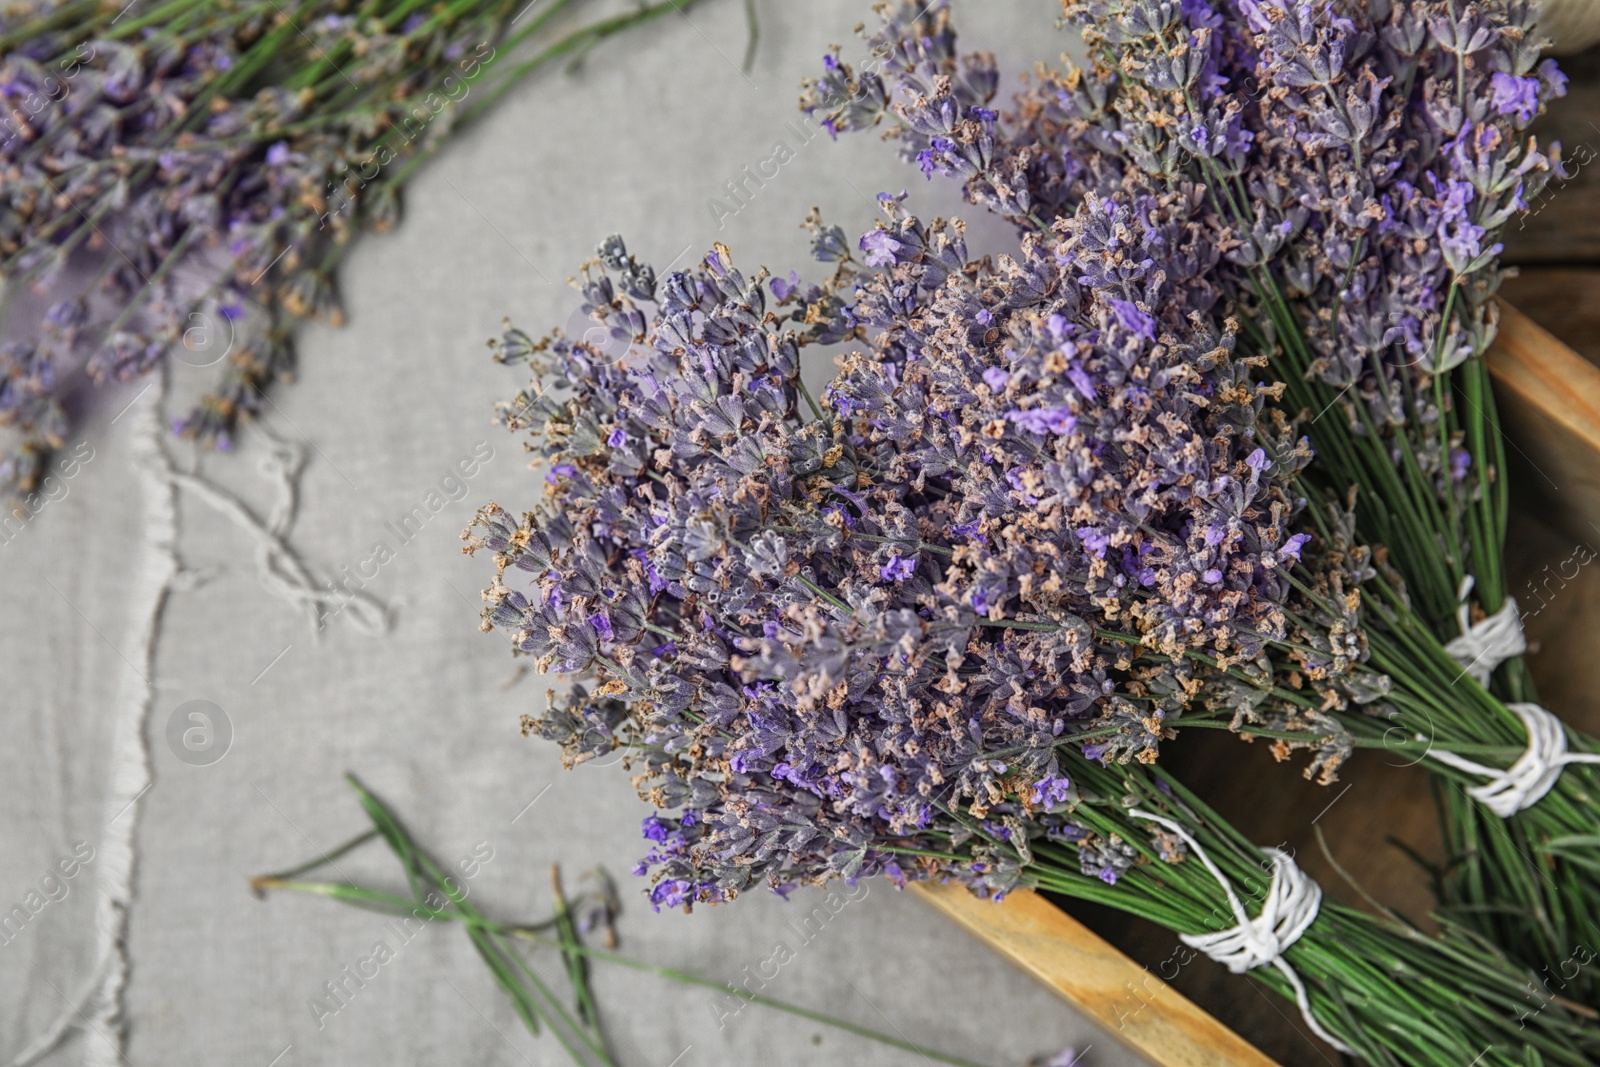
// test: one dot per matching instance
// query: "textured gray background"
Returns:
(637, 142)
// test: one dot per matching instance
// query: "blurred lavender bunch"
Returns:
(204, 167)
(1034, 512)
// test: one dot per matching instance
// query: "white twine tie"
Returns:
(1491, 641)
(1287, 912)
(1480, 649)
(1533, 775)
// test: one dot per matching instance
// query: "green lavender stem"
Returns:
(533, 1000)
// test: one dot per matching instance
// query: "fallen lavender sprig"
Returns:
(437, 896)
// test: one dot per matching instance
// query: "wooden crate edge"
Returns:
(1539, 369)
(1548, 398)
(1128, 1000)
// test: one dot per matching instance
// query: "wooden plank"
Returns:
(1131, 1002)
(1563, 300)
(1549, 399)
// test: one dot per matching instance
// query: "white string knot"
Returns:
(1290, 907)
(1490, 641)
(1480, 649)
(1534, 774)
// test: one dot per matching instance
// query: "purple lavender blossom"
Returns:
(898, 569)
(880, 248)
(1050, 791)
(671, 893)
(1131, 318)
(1055, 419)
(1515, 96)
(1094, 541)
(783, 289)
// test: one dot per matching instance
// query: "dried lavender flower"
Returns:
(1043, 502)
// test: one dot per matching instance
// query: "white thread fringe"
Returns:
(131, 773)
(1287, 912)
(97, 1009)
(1483, 647)
(281, 570)
(1479, 650)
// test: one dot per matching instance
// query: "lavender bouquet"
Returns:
(204, 167)
(1350, 167)
(904, 629)
(1407, 284)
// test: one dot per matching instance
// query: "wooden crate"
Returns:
(1107, 964)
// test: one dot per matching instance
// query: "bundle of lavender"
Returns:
(206, 164)
(930, 623)
(886, 630)
(1349, 168)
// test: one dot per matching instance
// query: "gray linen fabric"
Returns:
(641, 141)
